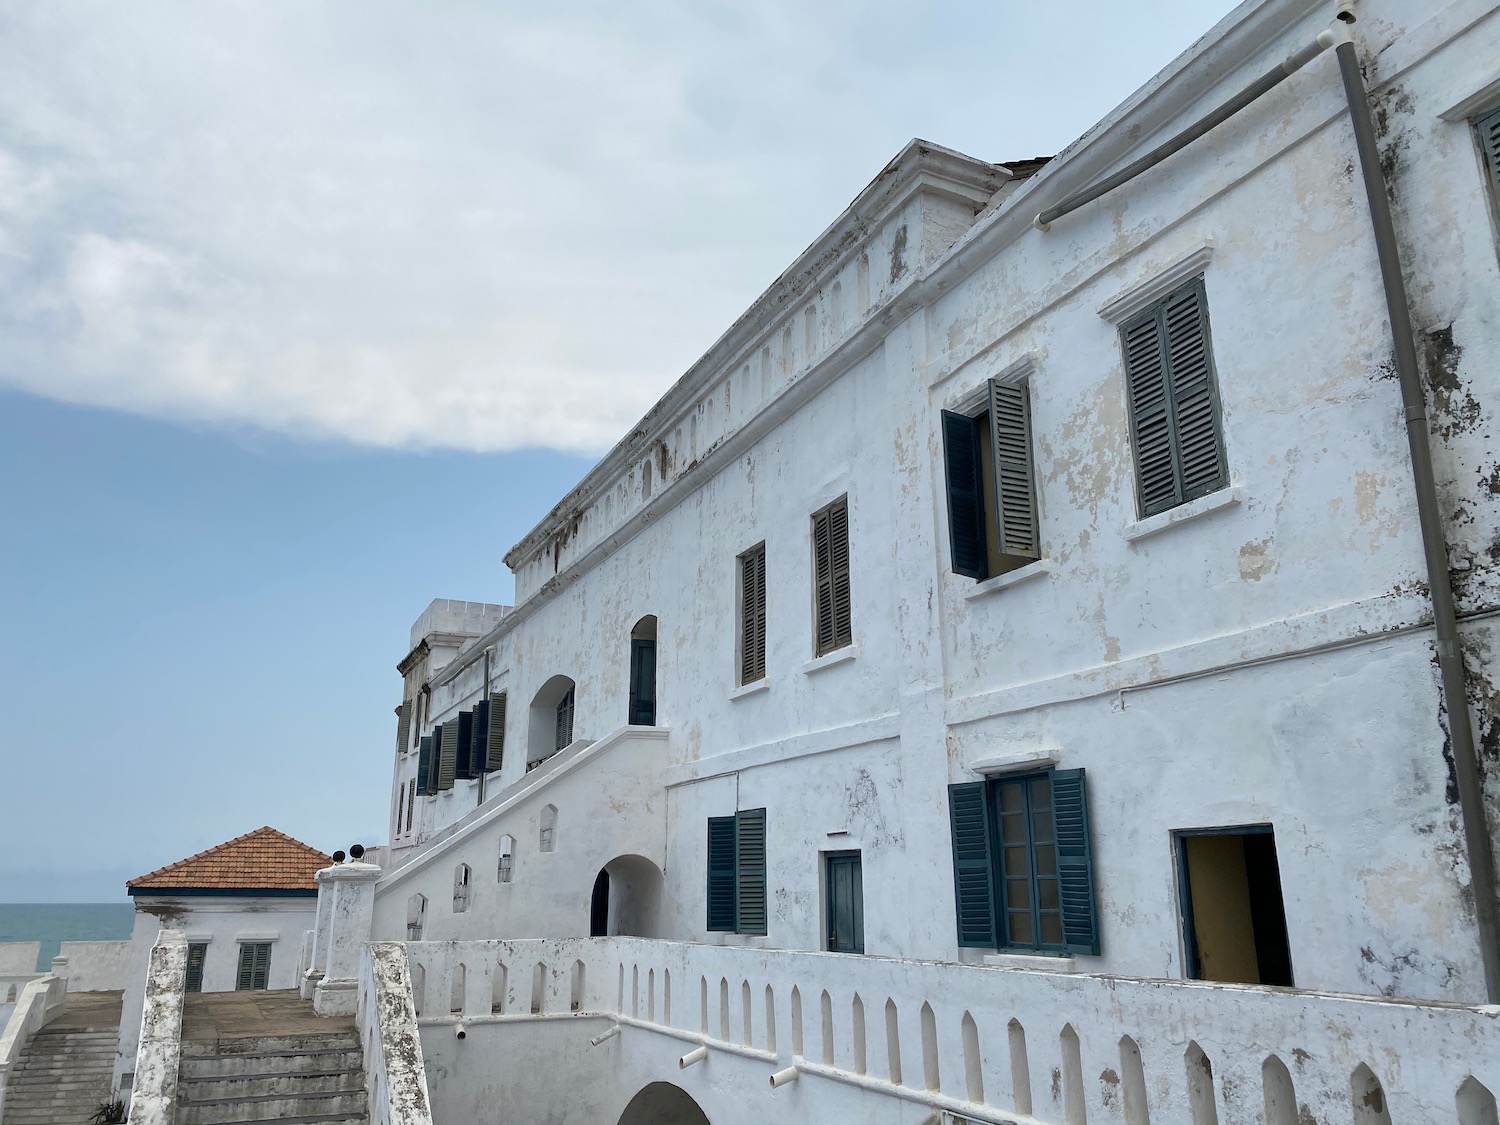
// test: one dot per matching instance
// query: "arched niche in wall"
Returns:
(416, 914)
(627, 898)
(547, 835)
(551, 722)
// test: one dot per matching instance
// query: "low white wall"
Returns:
(97, 966)
(18, 958)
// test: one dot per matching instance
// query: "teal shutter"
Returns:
(973, 865)
(479, 743)
(1488, 128)
(642, 682)
(447, 753)
(721, 872)
(753, 615)
(1010, 437)
(463, 758)
(424, 765)
(750, 871)
(403, 726)
(1075, 861)
(197, 952)
(495, 742)
(965, 495)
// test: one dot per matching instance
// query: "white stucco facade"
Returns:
(1258, 657)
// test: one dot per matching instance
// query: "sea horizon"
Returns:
(52, 923)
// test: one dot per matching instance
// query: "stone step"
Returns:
(361, 1118)
(270, 1044)
(75, 1057)
(284, 1062)
(274, 1107)
(294, 1084)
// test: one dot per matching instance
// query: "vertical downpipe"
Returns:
(484, 693)
(1434, 543)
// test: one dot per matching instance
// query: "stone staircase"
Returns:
(250, 1057)
(62, 1076)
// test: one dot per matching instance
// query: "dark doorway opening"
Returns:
(1233, 913)
(643, 673)
(599, 907)
(844, 879)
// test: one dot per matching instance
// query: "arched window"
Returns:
(416, 911)
(547, 840)
(506, 869)
(643, 673)
(461, 888)
(551, 725)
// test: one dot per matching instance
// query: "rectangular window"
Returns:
(411, 801)
(992, 523)
(752, 567)
(400, 803)
(445, 738)
(832, 625)
(1022, 863)
(403, 726)
(424, 766)
(1233, 915)
(737, 872)
(1174, 400)
(463, 752)
(197, 953)
(255, 965)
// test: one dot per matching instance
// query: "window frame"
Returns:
(755, 671)
(974, 418)
(263, 973)
(994, 787)
(742, 870)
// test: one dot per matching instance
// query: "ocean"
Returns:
(53, 923)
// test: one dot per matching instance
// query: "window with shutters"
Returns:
(411, 801)
(424, 766)
(463, 751)
(550, 726)
(197, 954)
(752, 616)
(461, 875)
(832, 616)
(1487, 129)
(255, 965)
(400, 804)
(642, 711)
(403, 727)
(737, 872)
(1174, 401)
(1023, 863)
(489, 734)
(564, 721)
(992, 518)
(445, 742)
(505, 868)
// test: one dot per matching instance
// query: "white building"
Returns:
(980, 690)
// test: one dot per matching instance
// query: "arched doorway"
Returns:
(662, 1103)
(550, 727)
(626, 899)
(643, 673)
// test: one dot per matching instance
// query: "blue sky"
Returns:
(309, 310)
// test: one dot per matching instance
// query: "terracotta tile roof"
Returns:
(263, 860)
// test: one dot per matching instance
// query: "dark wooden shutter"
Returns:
(965, 495)
(1150, 412)
(262, 970)
(1489, 142)
(495, 747)
(973, 865)
(400, 803)
(403, 726)
(255, 965)
(642, 682)
(246, 972)
(411, 801)
(424, 765)
(721, 872)
(750, 871)
(479, 739)
(1195, 407)
(1075, 861)
(447, 754)
(565, 720)
(463, 757)
(830, 536)
(197, 951)
(1010, 437)
(753, 615)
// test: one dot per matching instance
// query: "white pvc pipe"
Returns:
(696, 1055)
(613, 1030)
(784, 1077)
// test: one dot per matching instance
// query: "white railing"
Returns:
(153, 1098)
(986, 1043)
(395, 1078)
(39, 1001)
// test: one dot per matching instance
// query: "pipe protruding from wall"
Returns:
(1345, 11)
(696, 1055)
(460, 1031)
(784, 1077)
(610, 1033)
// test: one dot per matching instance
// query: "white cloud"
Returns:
(469, 225)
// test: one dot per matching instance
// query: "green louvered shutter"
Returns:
(973, 865)
(447, 754)
(753, 615)
(642, 682)
(479, 742)
(965, 495)
(403, 726)
(1150, 413)
(1075, 861)
(1489, 142)
(1010, 436)
(1195, 405)
(721, 873)
(750, 871)
(495, 746)
(424, 765)
(830, 537)
(463, 756)
(565, 721)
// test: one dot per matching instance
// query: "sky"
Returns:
(310, 309)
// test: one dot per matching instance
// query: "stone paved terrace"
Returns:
(260, 1014)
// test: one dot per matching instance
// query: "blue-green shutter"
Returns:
(750, 871)
(721, 872)
(495, 741)
(424, 765)
(1010, 444)
(973, 865)
(446, 745)
(965, 495)
(642, 682)
(1488, 127)
(479, 742)
(463, 758)
(1075, 861)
